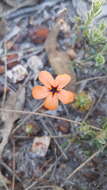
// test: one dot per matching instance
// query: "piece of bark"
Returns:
(59, 60)
(14, 101)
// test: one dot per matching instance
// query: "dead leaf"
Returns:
(12, 60)
(35, 64)
(40, 145)
(2, 69)
(12, 64)
(17, 73)
(59, 60)
(14, 101)
(38, 35)
(11, 57)
(71, 53)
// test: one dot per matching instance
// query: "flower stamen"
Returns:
(54, 90)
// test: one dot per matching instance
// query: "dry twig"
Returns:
(14, 165)
(5, 80)
(46, 115)
(82, 165)
(91, 78)
(63, 153)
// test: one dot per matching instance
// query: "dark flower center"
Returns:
(54, 90)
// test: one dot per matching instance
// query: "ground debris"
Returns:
(3, 28)
(2, 69)
(59, 60)
(4, 181)
(47, 35)
(14, 101)
(71, 53)
(35, 64)
(63, 127)
(40, 145)
(38, 35)
(18, 73)
(32, 128)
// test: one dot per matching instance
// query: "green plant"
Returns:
(101, 138)
(91, 34)
(100, 60)
(88, 30)
(83, 101)
(86, 129)
(97, 138)
(96, 35)
(95, 10)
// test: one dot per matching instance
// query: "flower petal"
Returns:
(46, 78)
(62, 80)
(66, 96)
(39, 92)
(51, 102)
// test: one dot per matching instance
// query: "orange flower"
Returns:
(53, 90)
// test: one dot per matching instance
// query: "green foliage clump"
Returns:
(100, 60)
(87, 130)
(97, 138)
(96, 35)
(101, 137)
(93, 35)
(83, 101)
(95, 10)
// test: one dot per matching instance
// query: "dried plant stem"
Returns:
(14, 166)
(56, 142)
(9, 170)
(5, 80)
(91, 78)
(48, 170)
(99, 99)
(45, 174)
(26, 118)
(47, 187)
(89, 112)
(46, 115)
(52, 136)
(83, 164)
